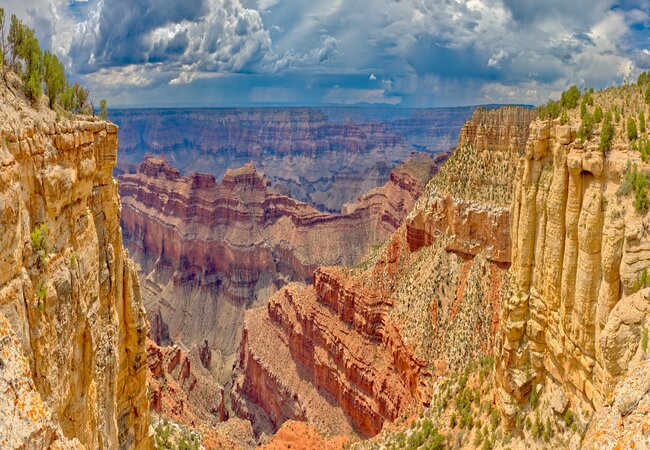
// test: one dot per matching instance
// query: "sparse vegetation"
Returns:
(641, 202)
(38, 238)
(641, 122)
(631, 129)
(40, 294)
(41, 72)
(606, 133)
(569, 418)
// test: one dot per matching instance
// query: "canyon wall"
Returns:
(325, 157)
(207, 251)
(181, 387)
(372, 338)
(67, 286)
(579, 249)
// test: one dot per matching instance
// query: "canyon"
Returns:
(325, 157)
(500, 289)
(72, 320)
(532, 239)
(373, 339)
(208, 251)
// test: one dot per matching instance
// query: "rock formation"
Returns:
(26, 420)
(325, 157)
(67, 286)
(181, 389)
(579, 249)
(371, 339)
(207, 251)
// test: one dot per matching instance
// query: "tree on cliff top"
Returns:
(39, 71)
(54, 75)
(570, 97)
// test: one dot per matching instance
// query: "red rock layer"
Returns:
(181, 389)
(473, 228)
(371, 339)
(208, 250)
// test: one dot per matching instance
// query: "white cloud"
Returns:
(496, 59)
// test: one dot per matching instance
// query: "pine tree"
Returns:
(606, 133)
(54, 75)
(103, 113)
(15, 37)
(631, 129)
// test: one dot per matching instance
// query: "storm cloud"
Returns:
(420, 52)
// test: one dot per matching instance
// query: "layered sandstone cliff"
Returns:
(371, 339)
(67, 286)
(208, 251)
(579, 251)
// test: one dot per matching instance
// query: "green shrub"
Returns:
(564, 118)
(644, 340)
(54, 77)
(549, 111)
(39, 237)
(598, 114)
(631, 129)
(495, 419)
(569, 418)
(586, 127)
(606, 133)
(570, 97)
(40, 294)
(103, 113)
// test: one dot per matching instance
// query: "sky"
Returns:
(412, 53)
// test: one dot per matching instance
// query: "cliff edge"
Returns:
(67, 286)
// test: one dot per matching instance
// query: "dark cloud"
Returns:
(208, 35)
(421, 51)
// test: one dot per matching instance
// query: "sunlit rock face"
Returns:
(579, 251)
(67, 285)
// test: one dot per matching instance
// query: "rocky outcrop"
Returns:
(624, 419)
(468, 200)
(372, 338)
(324, 157)
(208, 251)
(181, 389)
(579, 248)
(25, 421)
(67, 286)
